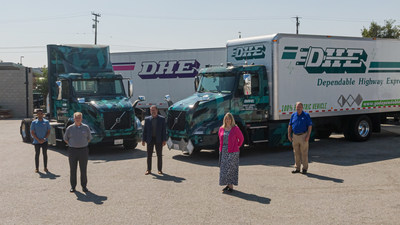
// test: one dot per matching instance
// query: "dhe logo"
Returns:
(330, 60)
(249, 52)
(169, 69)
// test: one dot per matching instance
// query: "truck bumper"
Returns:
(184, 146)
(117, 140)
(188, 145)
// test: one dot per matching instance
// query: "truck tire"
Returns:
(61, 145)
(196, 151)
(322, 134)
(359, 129)
(25, 130)
(130, 144)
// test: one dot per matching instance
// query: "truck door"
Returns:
(63, 100)
(251, 102)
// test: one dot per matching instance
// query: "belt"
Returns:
(300, 133)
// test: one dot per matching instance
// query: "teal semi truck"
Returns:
(348, 85)
(81, 79)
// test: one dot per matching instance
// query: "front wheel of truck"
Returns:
(25, 130)
(130, 144)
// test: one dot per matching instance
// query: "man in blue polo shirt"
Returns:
(301, 125)
(40, 131)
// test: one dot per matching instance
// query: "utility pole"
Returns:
(297, 24)
(95, 26)
(240, 34)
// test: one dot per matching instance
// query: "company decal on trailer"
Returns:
(318, 60)
(169, 69)
(124, 66)
(249, 52)
(329, 60)
(346, 103)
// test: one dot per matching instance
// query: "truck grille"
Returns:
(176, 120)
(117, 120)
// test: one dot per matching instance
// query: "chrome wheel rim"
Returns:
(363, 128)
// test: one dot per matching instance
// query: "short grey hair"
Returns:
(297, 103)
(76, 114)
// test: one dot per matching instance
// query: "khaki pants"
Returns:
(300, 149)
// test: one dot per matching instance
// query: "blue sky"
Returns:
(130, 25)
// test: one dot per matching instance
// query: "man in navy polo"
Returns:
(40, 131)
(301, 125)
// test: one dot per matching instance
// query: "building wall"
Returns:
(13, 94)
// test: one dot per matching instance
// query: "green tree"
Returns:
(389, 30)
(41, 82)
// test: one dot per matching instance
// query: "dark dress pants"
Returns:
(37, 153)
(80, 155)
(150, 147)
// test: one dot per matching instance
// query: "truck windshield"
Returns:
(217, 82)
(109, 87)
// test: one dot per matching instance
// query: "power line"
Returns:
(355, 20)
(199, 18)
(41, 19)
(25, 52)
(22, 47)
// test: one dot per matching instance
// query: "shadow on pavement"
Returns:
(48, 175)
(116, 154)
(90, 197)
(107, 153)
(334, 150)
(248, 156)
(167, 177)
(249, 197)
(320, 177)
(338, 151)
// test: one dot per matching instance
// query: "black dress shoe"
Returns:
(72, 190)
(296, 171)
(230, 190)
(84, 189)
(226, 188)
(304, 172)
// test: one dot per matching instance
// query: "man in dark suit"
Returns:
(154, 134)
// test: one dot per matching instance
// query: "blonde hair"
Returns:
(76, 114)
(232, 119)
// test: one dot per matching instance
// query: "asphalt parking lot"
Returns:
(348, 183)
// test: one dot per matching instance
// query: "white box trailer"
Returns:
(331, 75)
(156, 74)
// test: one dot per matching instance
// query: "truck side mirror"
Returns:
(168, 100)
(59, 96)
(196, 82)
(130, 89)
(247, 84)
(140, 99)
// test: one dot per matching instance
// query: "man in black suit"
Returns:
(154, 134)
